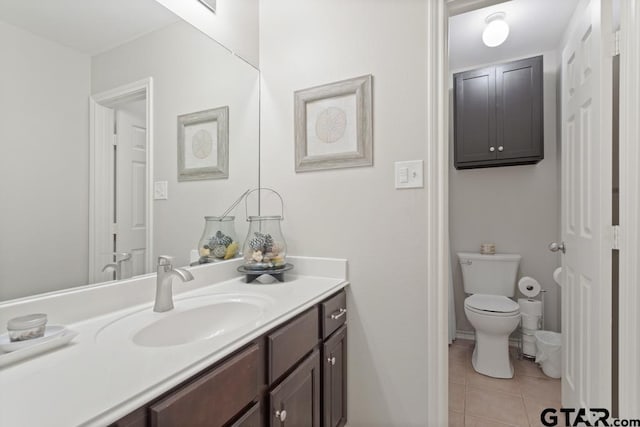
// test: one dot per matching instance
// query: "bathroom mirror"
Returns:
(90, 97)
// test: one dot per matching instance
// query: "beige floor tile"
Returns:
(541, 389)
(495, 405)
(470, 421)
(465, 343)
(456, 397)
(456, 419)
(528, 368)
(460, 353)
(511, 386)
(535, 407)
(458, 372)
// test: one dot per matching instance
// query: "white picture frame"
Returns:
(334, 125)
(203, 145)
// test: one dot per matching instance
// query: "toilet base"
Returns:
(491, 356)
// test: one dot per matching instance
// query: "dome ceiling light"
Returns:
(496, 31)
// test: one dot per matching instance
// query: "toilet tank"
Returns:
(489, 274)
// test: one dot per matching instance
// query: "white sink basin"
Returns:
(193, 319)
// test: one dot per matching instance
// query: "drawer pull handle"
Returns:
(331, 360)
(338, 314)
(281, 415)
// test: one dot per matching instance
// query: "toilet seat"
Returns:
(492, 305)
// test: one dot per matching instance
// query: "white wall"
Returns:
(191, 73)
(356, 213)
(235, 23)
(44, 110)
(517, 207)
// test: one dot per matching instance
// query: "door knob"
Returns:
(492, 149)
(281, 415)
(555, 247)
(331, 360)
(501, 148)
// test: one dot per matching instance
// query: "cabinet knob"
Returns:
(281, 415)
(501, 148)
(331, 360)
(492, 149)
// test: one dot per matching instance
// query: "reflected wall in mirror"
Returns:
(63, 66)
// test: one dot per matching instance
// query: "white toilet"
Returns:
(491, 280)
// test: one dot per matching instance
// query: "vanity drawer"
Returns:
(334, 313)
(288, 344)
(214, 398)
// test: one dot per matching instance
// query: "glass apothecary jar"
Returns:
(265, 247)
(218, 241)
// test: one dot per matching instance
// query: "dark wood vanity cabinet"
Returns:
(294, 375)
(498, 115)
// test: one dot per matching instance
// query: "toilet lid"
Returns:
(493, 303)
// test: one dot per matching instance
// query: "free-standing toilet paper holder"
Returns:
(520, 331)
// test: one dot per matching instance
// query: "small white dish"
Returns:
(50, 333)
(58, 340)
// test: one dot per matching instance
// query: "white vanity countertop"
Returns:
(93, 383)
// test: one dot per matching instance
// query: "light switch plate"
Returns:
(160, 190)
(409, 174)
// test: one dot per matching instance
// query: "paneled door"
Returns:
(131, 184)
(586, 208)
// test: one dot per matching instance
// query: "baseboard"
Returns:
(471, 336)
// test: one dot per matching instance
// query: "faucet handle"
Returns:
(122, 256)
(165, 261)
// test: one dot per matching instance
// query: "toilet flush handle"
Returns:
(555, 247)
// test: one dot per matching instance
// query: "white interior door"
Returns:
(586, 208)
(131, 184)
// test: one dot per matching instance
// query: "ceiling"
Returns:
(536, 26)
(88, 26)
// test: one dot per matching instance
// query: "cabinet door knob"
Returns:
(281, 415)
(331, 360)
(501, 148)
(492, 149)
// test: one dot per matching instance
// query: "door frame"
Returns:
(101, 175)
(629, 294)
(437, 142)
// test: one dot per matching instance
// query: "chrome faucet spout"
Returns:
(164, 288)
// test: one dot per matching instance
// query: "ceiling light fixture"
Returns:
(496, 31)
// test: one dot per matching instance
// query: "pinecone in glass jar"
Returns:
(268, 243)
(220, 239)
(257, 242)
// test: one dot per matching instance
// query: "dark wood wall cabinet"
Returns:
(498, 115)
(294, 375)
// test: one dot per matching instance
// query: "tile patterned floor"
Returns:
(476, 400)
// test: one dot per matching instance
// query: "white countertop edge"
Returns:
(133, 403)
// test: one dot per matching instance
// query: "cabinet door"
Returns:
(334, 382)
(296, 401)
(519, 109)
(475, 117)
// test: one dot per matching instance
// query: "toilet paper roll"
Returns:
(529, 346)
(529, 287)
(530, 323)
(530, 307)
(556, 275)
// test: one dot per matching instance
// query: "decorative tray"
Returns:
(54, 337)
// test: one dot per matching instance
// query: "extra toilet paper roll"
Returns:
(529, 287)
(530, 323)
(530, 307)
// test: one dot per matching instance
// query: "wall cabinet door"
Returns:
(296, 401)
(498, 115)
(334, 382)
(519, 109)
(475, 118)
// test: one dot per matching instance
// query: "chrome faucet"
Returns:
(164, 289)
(117, 266)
